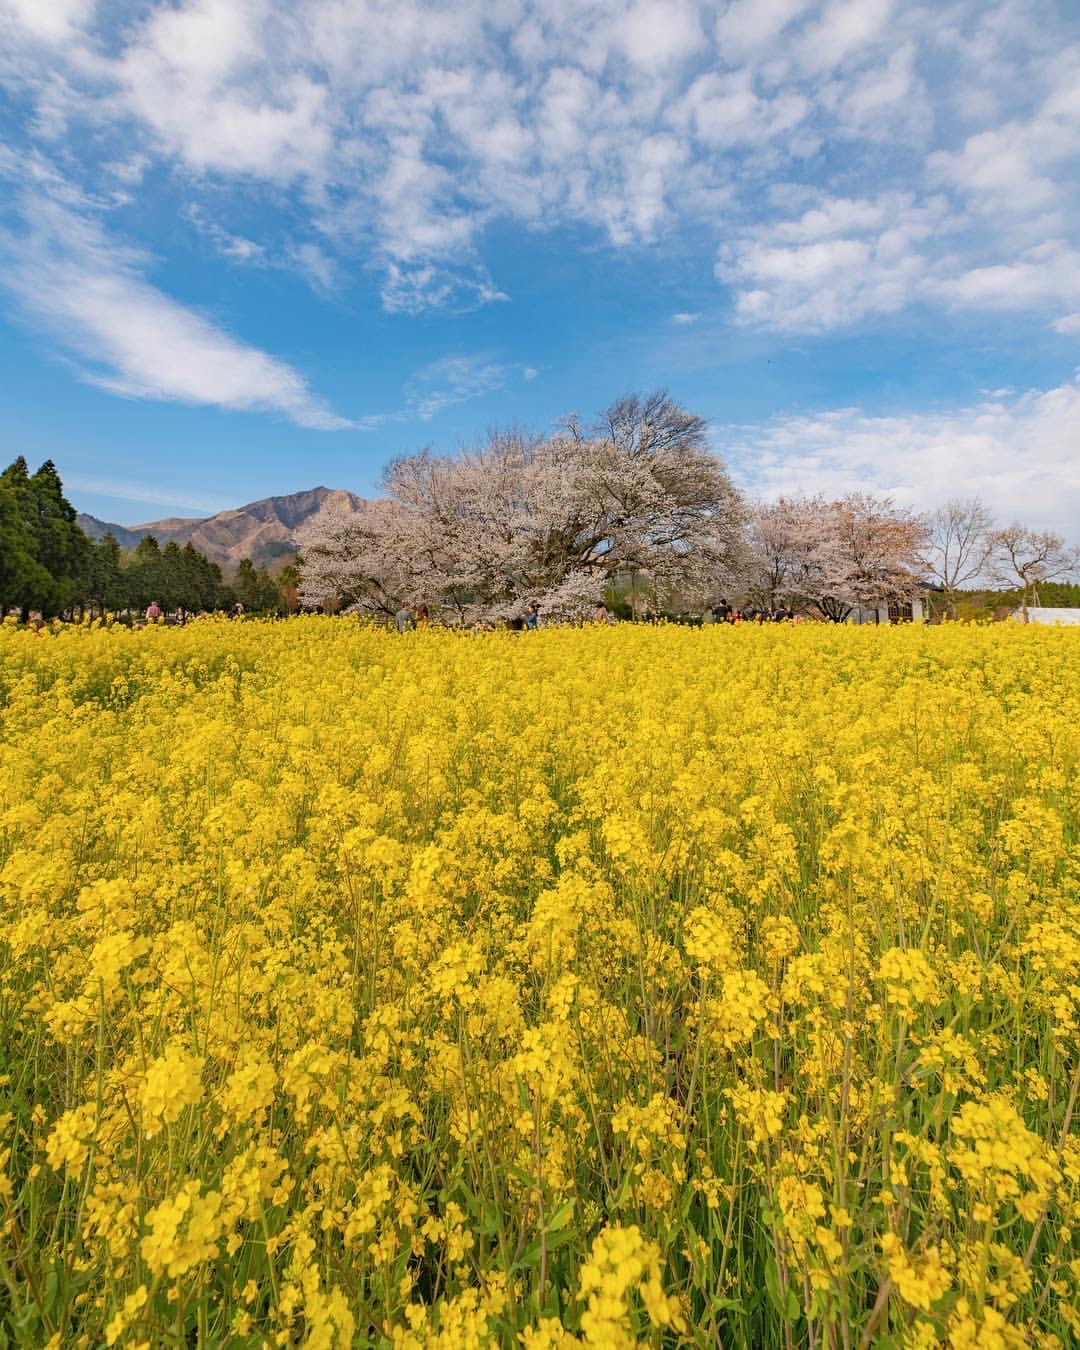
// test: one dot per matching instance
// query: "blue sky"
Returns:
(249, 246)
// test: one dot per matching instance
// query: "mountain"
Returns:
(262, 531)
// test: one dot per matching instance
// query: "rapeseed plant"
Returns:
(572, 988)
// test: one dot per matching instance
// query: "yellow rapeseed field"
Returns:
(583, 987)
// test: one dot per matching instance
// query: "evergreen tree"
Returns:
(201, 580)
(49, 565)
(256, 589)
(173, 578)
(145, 574)
(21, 576)
(62, 549)
(108, 588)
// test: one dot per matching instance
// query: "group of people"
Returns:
(180, 616)
(722, 612)
(407, 618)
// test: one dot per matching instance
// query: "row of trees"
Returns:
(177, 578)
(635, 496)
(49, 566)
(862, 550)
(965, 547)
(638, 495)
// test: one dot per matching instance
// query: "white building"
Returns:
(1044, 614)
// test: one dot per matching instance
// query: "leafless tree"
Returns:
(1026, 558)
(958, 546)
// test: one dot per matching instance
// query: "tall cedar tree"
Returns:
(49, 557)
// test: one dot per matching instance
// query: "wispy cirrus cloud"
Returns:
(453, 379)
(449, 381)
(124, 334)
(129, 490)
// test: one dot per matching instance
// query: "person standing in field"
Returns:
(153, 612)
(600, 613)
(532, 616)
(403, 619)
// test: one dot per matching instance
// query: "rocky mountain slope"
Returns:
(262, 531)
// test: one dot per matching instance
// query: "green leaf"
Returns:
(561, 1216)
(52, 1289)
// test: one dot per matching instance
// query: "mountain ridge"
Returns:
(262, 530)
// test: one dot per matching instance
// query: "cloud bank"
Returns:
(847, 158)
(1018, 452)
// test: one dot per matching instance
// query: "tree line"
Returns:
(634, 501)
(637, 500)
(50, 566)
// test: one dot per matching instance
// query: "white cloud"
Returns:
(321, 270)
(843, 29)
(131, 338)
(658, 32)
(410, 289)
(836, 263)
(684, 317)
(728, 110)
(396, 132)
(1047, 274)
(1015, 167)
(52, 21)
(446, 382)
(234, 246)
(1069, 324)
(1009, 450)
(747, 26)
(186, 75)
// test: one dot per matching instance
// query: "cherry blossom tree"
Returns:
(830, 557)
(520, 519)
(790, 548)
(370, 557)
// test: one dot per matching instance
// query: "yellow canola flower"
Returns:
(173, 1081)
(921, 1281)
(69, 1141)
(454, 990)
(621, 1263)
(1000, 1158)
(183, 1231)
